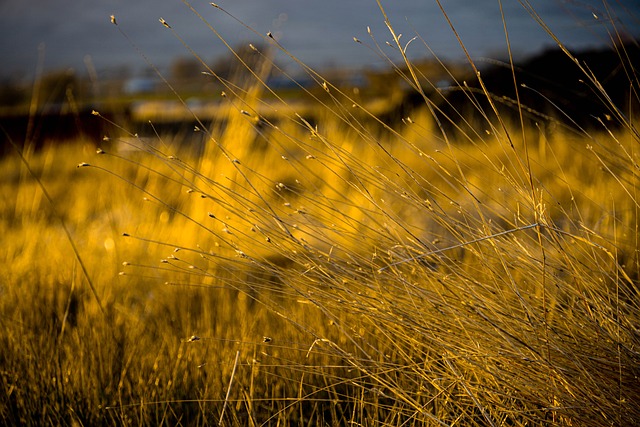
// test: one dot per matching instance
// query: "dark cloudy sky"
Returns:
(318, 32)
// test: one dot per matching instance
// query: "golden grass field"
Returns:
(334, 273)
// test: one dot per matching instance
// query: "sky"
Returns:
(78, 33)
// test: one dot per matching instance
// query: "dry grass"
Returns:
(335, 274)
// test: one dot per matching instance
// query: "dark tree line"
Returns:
(553, 91)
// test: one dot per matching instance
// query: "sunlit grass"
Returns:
(335, 271)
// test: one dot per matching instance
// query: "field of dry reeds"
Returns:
(333, 270)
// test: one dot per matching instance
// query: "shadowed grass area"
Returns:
(333, 273)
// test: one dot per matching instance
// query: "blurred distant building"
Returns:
(140, 85)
